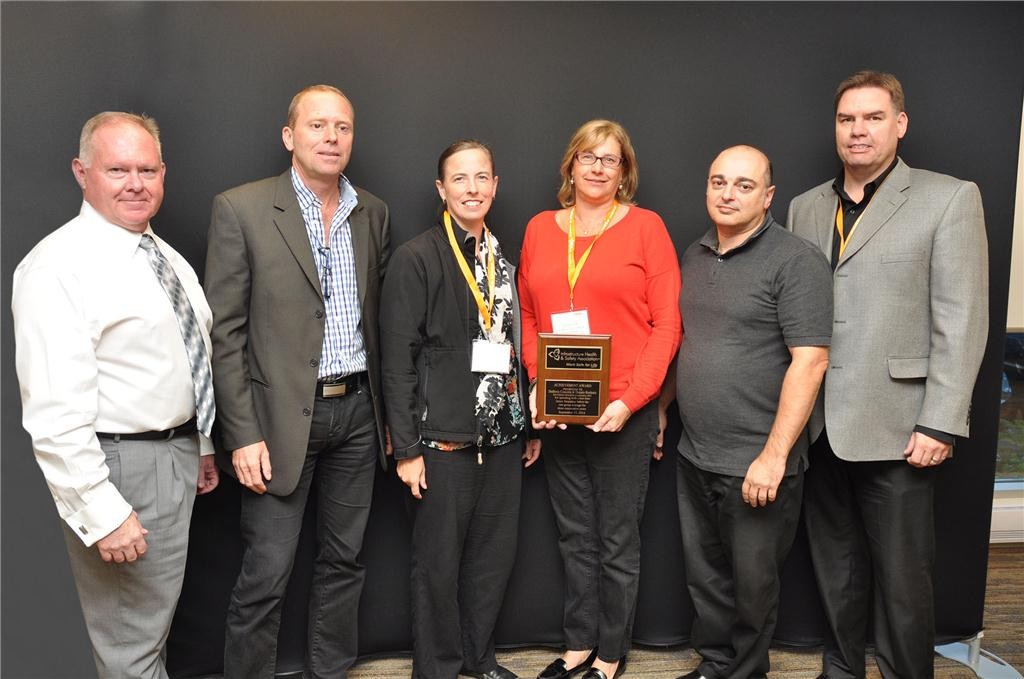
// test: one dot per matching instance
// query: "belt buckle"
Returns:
(334, 390)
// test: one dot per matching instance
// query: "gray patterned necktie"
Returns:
(188, 324)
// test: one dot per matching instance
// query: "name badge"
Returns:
(571, 323)
(491, 357)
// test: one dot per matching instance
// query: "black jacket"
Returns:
(428, 321)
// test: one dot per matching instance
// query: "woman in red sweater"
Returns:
(625, 284)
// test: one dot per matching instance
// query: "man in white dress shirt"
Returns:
(111, 389)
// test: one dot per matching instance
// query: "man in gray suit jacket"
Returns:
(293, 268)
(908, 251)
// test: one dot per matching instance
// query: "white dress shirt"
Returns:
(98, 349)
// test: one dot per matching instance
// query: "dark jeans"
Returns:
(340, 459)
(733, 555)
(871, 529)
(463, 547)
(598, 485)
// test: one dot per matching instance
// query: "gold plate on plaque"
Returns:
(573, 373)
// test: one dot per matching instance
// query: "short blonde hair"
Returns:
(313, 88)
(109, 118)
(589, 135)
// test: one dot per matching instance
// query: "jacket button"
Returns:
(307, 412)
(313, 362)
(318, 314)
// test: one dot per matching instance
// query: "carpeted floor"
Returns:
(1004, 613)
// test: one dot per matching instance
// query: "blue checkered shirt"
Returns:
(343, 352)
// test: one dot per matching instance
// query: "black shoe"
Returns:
(498, 672)
(558, 670)
(692, 675)
(594, 673)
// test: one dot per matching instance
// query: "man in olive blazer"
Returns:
(909, 255)
(294, 266)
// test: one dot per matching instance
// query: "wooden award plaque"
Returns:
(573, 372)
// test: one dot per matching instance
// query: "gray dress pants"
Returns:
(128, 607)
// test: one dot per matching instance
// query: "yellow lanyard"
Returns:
(574, 268)
(485, 307)
(844, 238)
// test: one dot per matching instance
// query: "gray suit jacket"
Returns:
(268, 317)
(911, 311)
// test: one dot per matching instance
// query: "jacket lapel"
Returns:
(359, 223)
(293, 229)
(825, 219)
(886, 201)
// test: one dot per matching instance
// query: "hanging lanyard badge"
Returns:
(573, 322)
(488, 356)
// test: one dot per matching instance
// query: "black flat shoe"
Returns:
(498, 672)
(594, 673)
(558, 670)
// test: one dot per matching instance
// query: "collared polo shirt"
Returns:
(742, 311)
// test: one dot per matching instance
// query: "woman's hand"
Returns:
(549, 424)
(532, 452)
(413, 473)
(613, 418)
(659, 443)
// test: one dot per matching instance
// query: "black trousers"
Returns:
(733, 554)
(341, 460)
(871, 529)
(463, 548)
(598, 485)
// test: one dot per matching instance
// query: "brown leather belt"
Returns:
(333, 387)
(186, 429)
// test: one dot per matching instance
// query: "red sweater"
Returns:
(629, 287)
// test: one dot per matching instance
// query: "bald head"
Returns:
(752, 154)
(740, 189)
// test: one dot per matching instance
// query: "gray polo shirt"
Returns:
(741, 313)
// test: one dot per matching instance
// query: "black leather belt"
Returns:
(186, 429)
(333, 387)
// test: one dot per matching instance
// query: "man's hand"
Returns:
(252, 466)
(924, 451)
(209, 477)
(796, 400)
(761, 484)
(126, 543)
(413, 473)
(532, 452)
(548, 424)
(613, 418)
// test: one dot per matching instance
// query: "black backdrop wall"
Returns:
(685, 79)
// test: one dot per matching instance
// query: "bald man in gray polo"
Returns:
(756, 303)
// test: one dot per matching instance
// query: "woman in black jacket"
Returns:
(456, 410)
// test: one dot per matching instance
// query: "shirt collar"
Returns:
(710, 239)
(110, 237)
(469, 244)
(869, 188)
(347, 193)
